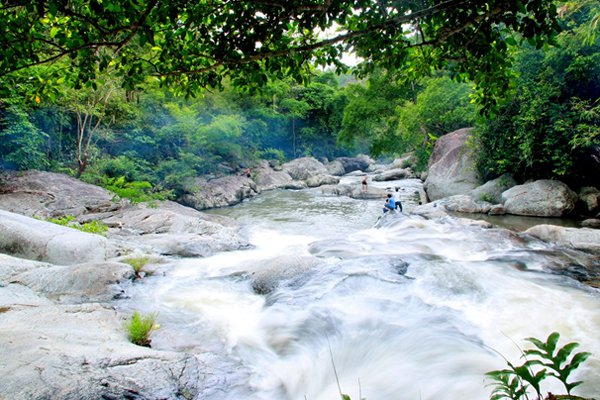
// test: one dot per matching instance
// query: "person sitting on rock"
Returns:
(389, 205)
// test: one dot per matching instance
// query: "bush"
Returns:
(140, 327)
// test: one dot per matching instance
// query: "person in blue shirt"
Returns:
(390, 204)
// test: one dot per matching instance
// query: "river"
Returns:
(413, 309)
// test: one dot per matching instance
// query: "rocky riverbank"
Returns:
(62, 338)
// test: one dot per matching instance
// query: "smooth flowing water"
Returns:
(414, 309)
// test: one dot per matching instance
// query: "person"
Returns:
(247, 173)
(364, 184)
(389, 205)
(397, 200)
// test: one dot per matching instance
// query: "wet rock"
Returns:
(433, 210)
(451, 166)
(543, 198)
(354, 191)
(48, 194)
(267, 276)
(576, 238)
(44, 241)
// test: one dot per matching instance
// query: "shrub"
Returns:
(140, 327)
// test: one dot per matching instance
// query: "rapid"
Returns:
(401, 308)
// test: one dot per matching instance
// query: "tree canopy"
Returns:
(191, 45)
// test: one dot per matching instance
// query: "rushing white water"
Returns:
(416, 309)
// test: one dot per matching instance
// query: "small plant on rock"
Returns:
(545, 360)
(139, 328)
(96, 227)
(138, 264)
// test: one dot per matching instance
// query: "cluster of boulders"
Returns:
(452, 185)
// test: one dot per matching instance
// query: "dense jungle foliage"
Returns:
(536, 105)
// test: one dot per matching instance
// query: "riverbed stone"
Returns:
(267, 178)
(48, 194)
(322, 179)
(393, 174)
(465, 204)
(33, 239)
(452, 166)
(361, 163)
(591, 223)
(589, 199)
(335, 168)
(219, 192)
(354, 191)
(81, 352)
(169, 228)
(586, 239)
(542, 198)
(268, 275)
(305, 167)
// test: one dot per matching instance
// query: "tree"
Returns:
(191, 45)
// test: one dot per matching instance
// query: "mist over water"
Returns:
(415, 309)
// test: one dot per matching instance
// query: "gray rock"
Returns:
(589, 198)
(76, 284)
(577, 238)
(267, 178)
(335, 168)
(172, 229)
(497, 209)
(465, 204)
(304, 168)
(48, 194)
(354, 191)
(433, 210)
(543, 198)
(81, 352)
(593, 223)
(491, 191)
(267, 276)
(44, 241)
(220, 192)
(451, 166)
(394, 174)
(361, 163)
(321, 179)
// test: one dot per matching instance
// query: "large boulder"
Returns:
(169, 228)
(322, 179)
(267, 178)
(465, 204)
(335, 168)
(586, 239)
(354, 191)
(33, 239)
(491, 191)
(48, 194)
(81, 352)
(361, 163)
(451, 166)
(75, 284)
(220, 192)
(305, 167)
(393, 174)
(589, 200)
(268, 275)
(543, 198)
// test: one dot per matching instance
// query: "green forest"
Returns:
(135, 95)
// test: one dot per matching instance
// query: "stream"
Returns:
(411, 309)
